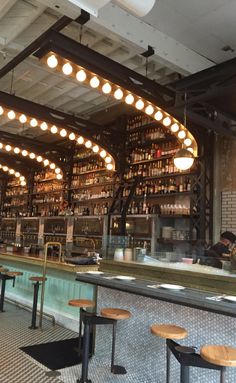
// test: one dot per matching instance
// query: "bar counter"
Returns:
(207, 322)
(60, 286)
(187, 297)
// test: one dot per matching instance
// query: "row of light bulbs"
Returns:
(25, 153)
(12, 172)
(84, 76)
(33, 122)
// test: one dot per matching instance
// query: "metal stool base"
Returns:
(118, 370)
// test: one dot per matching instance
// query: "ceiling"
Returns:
(187, 37)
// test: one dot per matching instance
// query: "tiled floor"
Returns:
(18, 367)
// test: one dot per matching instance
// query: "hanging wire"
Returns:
(146, 66)
(185, 109)
(12, 80)
(81, 34)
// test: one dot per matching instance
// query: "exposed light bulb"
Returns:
(149, 110)
(139, 105)
(109, 167)
(43, 126)
(187, 141)
(67, 69)
(52, 61)
(54, 129)
(11, 115)
(8, 148)
(57, 170)
(59, 176)
(96, 149)
(129, 99)
(23, 183)
(17, 174)
(72, 136)
(16, 150)
(158, 115)
(1, 145)
(167, 121)
(32, 156)
(118, 94)
(103, 153)
(52, 165)
(24, 153)
(88, 144)
(108, 160)
(94, 82)
(39, 158)
(80, 140)
(81, 75)
(23, 118)
(12, 171)
(63, 133)
(1, 110)
(22, 178)
(106, 88)
(33, 122)
(46, 162)
(5, 168)
(182, 134)
(174, 128)
(190, 150)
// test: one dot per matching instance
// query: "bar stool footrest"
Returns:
(118, 370)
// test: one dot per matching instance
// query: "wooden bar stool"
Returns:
(37, 280)
(168, 331)
(219, 355)
(83, 304)
(115, 314)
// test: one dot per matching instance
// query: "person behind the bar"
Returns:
(222, 249)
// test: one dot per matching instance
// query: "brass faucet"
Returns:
(44, 275)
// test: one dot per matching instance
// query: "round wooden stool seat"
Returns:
(113, 313)
(81, 303)
(169, 331)
(14, 273)
(3, 270)
(219, 355)
(37, 279)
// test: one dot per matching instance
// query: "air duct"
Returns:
(71, 8)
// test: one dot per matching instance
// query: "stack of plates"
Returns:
(171, 287)
(230, 298)
(125, 278)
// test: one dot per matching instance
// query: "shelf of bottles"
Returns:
(16, 200)
(55, 229)
(92, 186)
(8, 230)
(48, 194)
(150, 157)
(29, 231)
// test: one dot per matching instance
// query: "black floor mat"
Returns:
(55, 355)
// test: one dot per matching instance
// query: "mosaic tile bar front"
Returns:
(143, 354)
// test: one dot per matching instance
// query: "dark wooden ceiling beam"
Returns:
(106, 68)
(33, 144)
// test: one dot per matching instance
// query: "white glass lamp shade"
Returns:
(183, 159)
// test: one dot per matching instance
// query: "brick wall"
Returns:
(228, 211)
